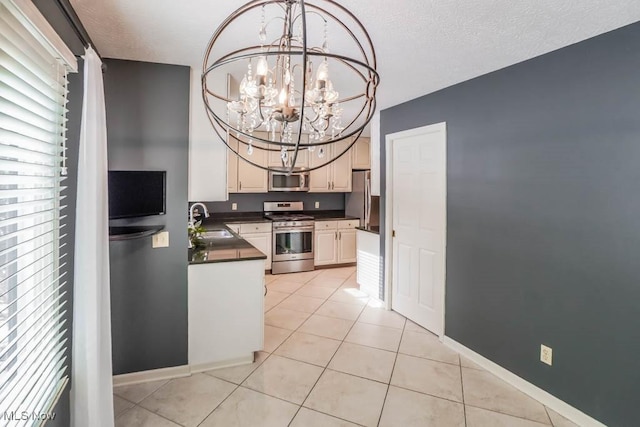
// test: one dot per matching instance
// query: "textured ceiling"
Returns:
(422, 45)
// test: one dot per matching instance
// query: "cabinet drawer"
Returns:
(326, 225)
(257, 227)
(351, 223)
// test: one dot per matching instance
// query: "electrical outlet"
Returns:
(160, 240)
(317, 205)
(546, 354)
(234, 206)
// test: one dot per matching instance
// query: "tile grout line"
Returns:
(334, 354)
(510, 415)
(548, 416)
(229, 395)
(384, 401)
(464, 405)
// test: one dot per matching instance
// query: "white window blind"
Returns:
(33, 90)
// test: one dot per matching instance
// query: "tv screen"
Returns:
(136, 193)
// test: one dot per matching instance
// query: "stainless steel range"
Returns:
(293, 235)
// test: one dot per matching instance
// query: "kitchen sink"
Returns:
(217, 234)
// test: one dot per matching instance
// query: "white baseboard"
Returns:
(152, 375)
(524, 386)
(177, 371)
(224, 364)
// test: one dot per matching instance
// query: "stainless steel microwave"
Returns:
(298, 180)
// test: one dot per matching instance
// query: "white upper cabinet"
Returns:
(336, 176)
(361, 154)
(302, 161)
(243, 177)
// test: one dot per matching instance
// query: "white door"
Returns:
(418, 193)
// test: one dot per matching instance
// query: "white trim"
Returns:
(223, 364)
(177, 371)
(388, 242)
(525, 386)
(42, 30)
(152, 375)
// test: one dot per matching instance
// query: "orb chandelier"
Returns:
(285, 89)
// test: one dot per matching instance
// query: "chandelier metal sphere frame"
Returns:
(286, 100)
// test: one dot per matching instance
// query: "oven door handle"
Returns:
(292, 230)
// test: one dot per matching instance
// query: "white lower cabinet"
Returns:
(347, 246)
(259, 235)
(335, 242)
(326, 249)
(225, 313)
(262, 242)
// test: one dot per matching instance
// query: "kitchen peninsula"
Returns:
(225, 301)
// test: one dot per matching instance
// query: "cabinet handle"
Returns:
(336, 236)
(339, 235)
(333, 185)
(240, 185)
(328, 185)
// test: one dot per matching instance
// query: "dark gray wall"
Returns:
(543, 207)
(148, 129)
(253, 202)
(54, 16)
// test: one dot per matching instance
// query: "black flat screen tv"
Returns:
(137, 193)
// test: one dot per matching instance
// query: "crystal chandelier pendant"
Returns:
(290, 92)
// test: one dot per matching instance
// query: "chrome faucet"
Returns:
(191, 209)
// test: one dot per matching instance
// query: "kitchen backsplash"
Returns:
(253, 202)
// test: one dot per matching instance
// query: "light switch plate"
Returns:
(160, 240)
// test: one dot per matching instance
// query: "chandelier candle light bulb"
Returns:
(281, 99)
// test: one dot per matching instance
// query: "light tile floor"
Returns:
(333, 357)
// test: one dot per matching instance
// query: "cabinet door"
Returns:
(361, 154)
(262, 242)
(252, 179)
(326, 247)
(301, 162)
(341, 179)
(232, 167)
(320, 179)
(347, 246)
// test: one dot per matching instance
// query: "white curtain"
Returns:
(91, 377)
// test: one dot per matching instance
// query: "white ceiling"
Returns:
(422, 45)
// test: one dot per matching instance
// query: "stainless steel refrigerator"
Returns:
(360, 203)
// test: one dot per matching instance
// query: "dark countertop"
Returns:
(223, 250)
(330, 215)
(375, 229)
(231, 218)
(248, 217)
